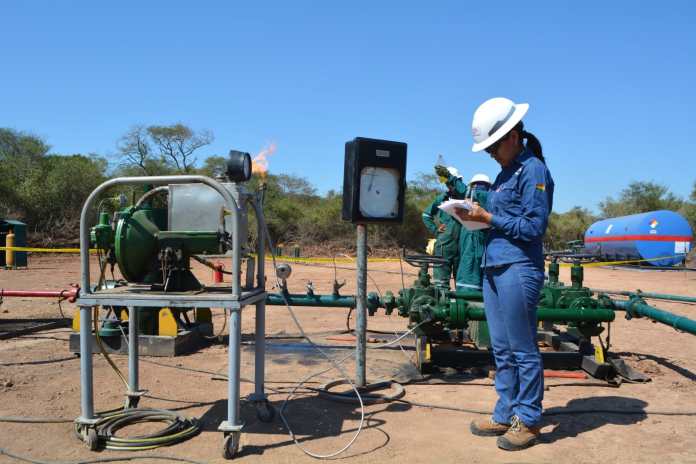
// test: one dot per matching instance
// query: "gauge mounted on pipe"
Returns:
(238, 166)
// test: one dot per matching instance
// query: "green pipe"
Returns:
(657, 296)
(468, 294)
(330, 301)
(460, 311)
(637, 308)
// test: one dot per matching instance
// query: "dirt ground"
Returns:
(39, 377)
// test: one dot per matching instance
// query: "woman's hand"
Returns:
(476, 213)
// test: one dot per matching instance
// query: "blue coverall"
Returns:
(447, 243)
(520, 201)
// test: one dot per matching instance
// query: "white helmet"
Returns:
(493, 119)
(453, 171)
(480, 178)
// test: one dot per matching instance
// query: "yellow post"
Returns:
(167, 323)
(9, 253)
(76, 321)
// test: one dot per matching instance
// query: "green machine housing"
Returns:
(139, 241)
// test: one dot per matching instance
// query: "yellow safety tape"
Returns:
(331, 260)
(47, 250)
(280, 258)
(293, 259)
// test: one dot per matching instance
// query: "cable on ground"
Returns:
(178, 428)
(19, 457)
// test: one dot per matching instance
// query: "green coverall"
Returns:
(447, 243)
(471, 242)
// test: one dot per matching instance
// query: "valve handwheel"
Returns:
(420, 260)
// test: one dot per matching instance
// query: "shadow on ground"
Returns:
(310, 417)
(585, 414)
(664, 362)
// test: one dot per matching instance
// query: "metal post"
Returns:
(260, 337)
(260, 351)
(361, 307)
(86, 381)
(233, 367)
(133, 350)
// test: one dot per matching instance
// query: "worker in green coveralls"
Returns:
(446, 230)
(471, 242)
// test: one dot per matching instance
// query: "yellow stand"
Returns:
(167, 326)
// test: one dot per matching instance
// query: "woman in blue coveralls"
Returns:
(518, 208)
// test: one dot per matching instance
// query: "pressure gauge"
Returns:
(238, 166)
(374, 181)
(379, 192)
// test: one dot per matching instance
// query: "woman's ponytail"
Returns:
(533, 143)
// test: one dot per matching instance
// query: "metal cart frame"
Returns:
(234, 300)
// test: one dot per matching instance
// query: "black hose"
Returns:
(5, 452)
(207, 263)
(178, 428)
(36, 420)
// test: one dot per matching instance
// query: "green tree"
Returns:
(50, 197)
(157, 149)
(20, 153)
(566, 227)
(688, 209)
(178, 143)
(640, 197)
(213, 166)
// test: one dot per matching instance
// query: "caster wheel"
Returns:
(230, 447)
(91, 439)
(132, 402)
(264, 411)
(78, 432)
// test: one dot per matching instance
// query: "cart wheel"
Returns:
(91, 439)
(132, 402)
(423, 355)
(230, 446)
(265, 411)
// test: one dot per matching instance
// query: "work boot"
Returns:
(488, 428)
(519, 436)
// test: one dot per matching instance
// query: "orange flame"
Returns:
(259, 165)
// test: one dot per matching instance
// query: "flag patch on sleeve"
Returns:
(541, 187)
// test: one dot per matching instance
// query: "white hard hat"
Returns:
(480, 178)
(453, 171)
(493, 119)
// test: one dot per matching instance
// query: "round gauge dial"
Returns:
(379, 192)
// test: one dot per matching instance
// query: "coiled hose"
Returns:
(178, 428)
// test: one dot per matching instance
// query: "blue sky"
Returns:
(612, 85)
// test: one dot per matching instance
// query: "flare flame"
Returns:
(259, 164)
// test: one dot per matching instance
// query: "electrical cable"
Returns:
(222, 329)
(383, 271)
(6, 452)
(179, 428)
(103, 351)
(334, 365)
(36, 420)
(60, 307)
